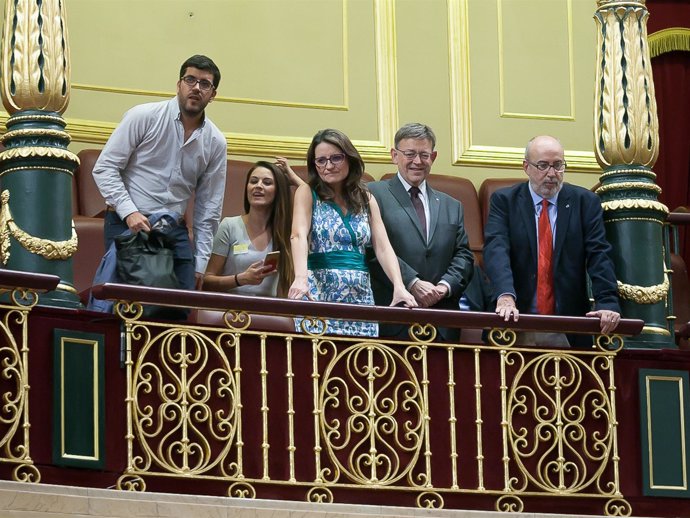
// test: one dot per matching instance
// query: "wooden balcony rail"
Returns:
(679, 216)
(11, 279)
(275, 306)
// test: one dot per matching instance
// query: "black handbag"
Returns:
(146, 259)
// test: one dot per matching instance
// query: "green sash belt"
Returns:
(337, 260)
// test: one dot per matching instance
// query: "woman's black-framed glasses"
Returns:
(336, 160)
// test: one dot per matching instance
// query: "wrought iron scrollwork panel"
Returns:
(373, 414)
(14, 384)
(184, 405)
(344, 412)
(561, 423)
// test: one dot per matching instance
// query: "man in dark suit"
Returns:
(556, 282)
(426, 230)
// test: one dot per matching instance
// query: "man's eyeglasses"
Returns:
(336, 160)
(543, 166)
(191, 81)
(424, 156)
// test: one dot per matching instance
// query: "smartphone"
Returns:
(272, 259)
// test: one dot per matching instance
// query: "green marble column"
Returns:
(36, 229)
(626, 144)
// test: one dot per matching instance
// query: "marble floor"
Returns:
(22, 500)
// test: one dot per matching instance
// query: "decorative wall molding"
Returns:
(571, 71)
(465, 151)
(373, 151)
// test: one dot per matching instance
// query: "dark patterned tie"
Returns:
(545, 297)
(418, 207)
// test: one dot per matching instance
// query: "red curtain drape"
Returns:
(672, 83)
(664, 14)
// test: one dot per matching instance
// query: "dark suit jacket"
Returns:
(478, 293)
(581, 248)
(447, 255)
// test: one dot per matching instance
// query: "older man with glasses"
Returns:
(426, 229)
(543, 239)
(161, 155)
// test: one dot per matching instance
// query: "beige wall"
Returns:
(485, 74)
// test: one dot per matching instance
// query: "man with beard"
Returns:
(543, 238)
(157, 158)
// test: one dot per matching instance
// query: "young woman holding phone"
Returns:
(243, 260)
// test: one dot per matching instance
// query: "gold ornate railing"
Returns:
(327, 414)
(18, 295)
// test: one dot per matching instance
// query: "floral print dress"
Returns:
(337, 270)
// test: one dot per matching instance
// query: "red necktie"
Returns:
(418, 207)
(545, 298)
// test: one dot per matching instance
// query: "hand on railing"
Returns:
(609, 319)
(299, 289)
(505, 308)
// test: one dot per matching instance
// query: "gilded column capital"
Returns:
(626, 126)
(35, 76)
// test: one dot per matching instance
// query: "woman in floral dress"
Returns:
(335, 218)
